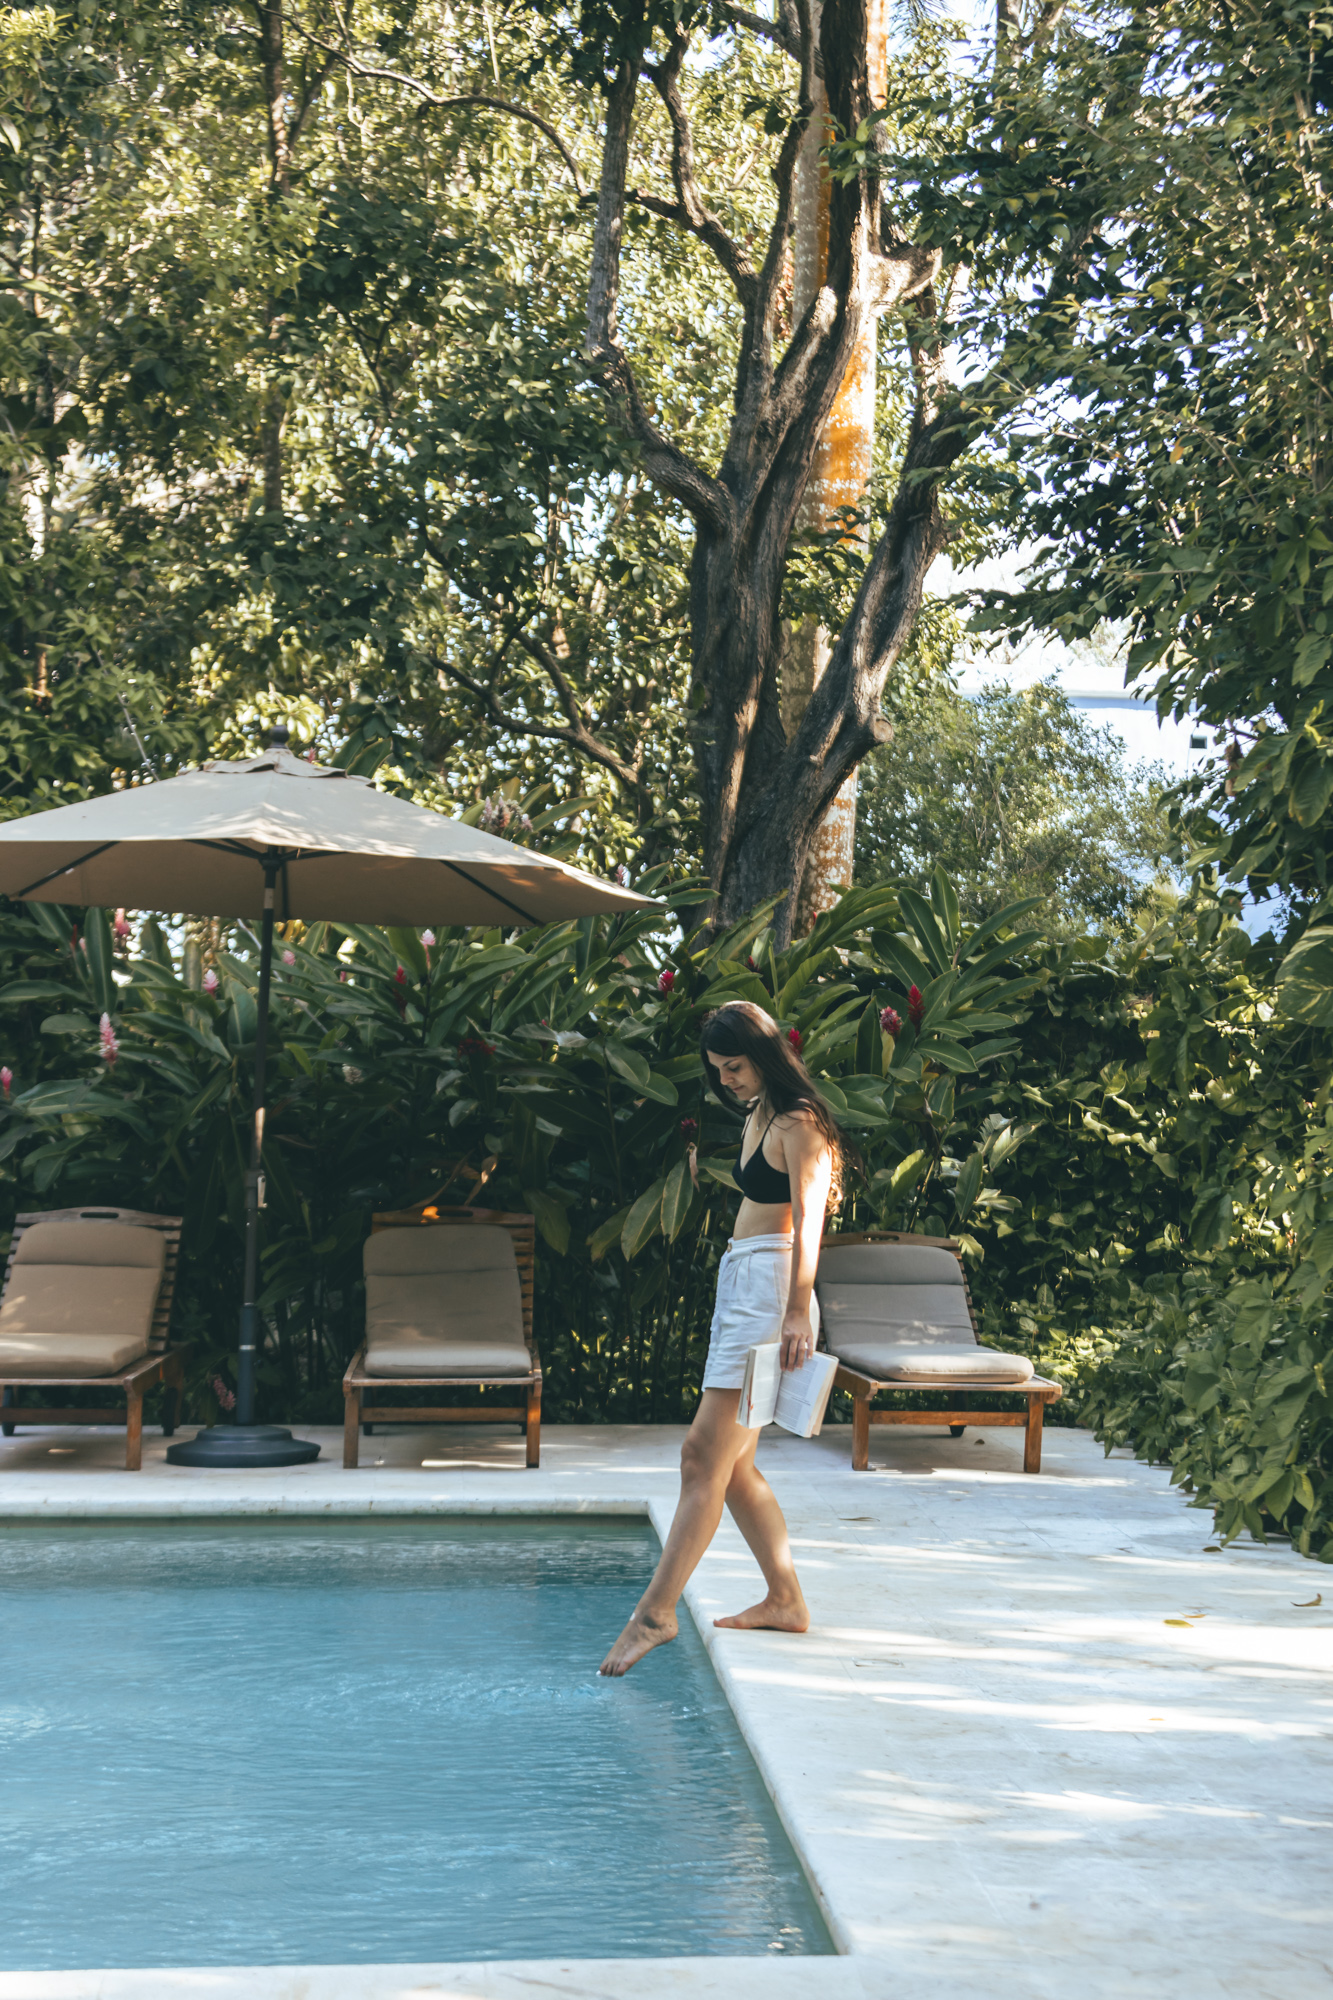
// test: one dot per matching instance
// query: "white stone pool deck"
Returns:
(1010, 1772)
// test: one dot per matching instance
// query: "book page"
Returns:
(759, 1391)
(803, 1394)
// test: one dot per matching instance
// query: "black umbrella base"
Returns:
(243, 1447)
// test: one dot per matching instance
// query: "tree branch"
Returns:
(755, 363)
(784, 31)
(308, 96)
(576, 735)
(665, 463)
(1048, 21)
(699, 217)
(438, 103)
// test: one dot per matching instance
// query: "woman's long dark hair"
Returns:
(742, 1029)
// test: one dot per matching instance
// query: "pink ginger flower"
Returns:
(343, 977)
(622, 876)
(110, 1046)
(122, 929)
(289, 958)
(210, 981)
(916, 1006)
(891, 1021)
(795, 1038)
(226, 1397)
(6, 1079)
(428, 939)
(666, 980)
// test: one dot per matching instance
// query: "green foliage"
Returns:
(1230, 1386)
(459, 554)
(1171, 1237)
(1130, 1137)
(1013, 795)
(557, 1072)
(1169, 414)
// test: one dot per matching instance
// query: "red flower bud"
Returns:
(916, 1006)
(794, 1037)
(891, 1021)
(666, 980)
(689, 1126)
(400, 977)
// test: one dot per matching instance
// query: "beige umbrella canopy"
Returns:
(198, 844)
(276, 837)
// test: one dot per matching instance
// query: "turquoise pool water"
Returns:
(232, 1742)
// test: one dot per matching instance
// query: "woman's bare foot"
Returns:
(786, 1614)
(643, 1632)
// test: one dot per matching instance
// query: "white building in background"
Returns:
(1092, 677)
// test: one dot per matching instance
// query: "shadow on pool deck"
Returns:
(1012, 1771)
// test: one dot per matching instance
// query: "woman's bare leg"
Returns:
(753, 1506)
(707, 1461)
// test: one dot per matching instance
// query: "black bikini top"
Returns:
(760, 1180)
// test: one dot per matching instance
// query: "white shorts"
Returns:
(752, 1284)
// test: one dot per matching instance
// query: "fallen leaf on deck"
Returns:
(1175, 1621)
(1309, 1604)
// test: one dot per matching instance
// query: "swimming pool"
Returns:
(238, 1742)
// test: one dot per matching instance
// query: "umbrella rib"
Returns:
(487, 890)
(68, 869)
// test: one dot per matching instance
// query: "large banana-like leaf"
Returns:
(643, 1221)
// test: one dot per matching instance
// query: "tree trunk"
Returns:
(280, 165)
(764, 797)
(839, 479)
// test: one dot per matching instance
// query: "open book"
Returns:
(796, 1400)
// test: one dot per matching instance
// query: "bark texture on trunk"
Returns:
(839, 479)
(280, 175)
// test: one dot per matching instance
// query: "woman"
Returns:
(791, 1152)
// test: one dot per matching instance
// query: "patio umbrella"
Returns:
(275, 837)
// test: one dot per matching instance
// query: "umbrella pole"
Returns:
(246, 1443)
(254, 1180)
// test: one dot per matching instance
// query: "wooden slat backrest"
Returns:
(950, 1243)
(169, 1225)
(521, 1228)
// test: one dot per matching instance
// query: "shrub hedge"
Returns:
(1131, 1137)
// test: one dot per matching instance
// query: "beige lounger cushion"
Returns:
(898, 1311)
(80, 1299)
(973, 1364)
(444, 1301)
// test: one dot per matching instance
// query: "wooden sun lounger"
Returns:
(954, 1338)
(522, 1367)
(161, 1364)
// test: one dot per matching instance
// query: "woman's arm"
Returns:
(810, 1171)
